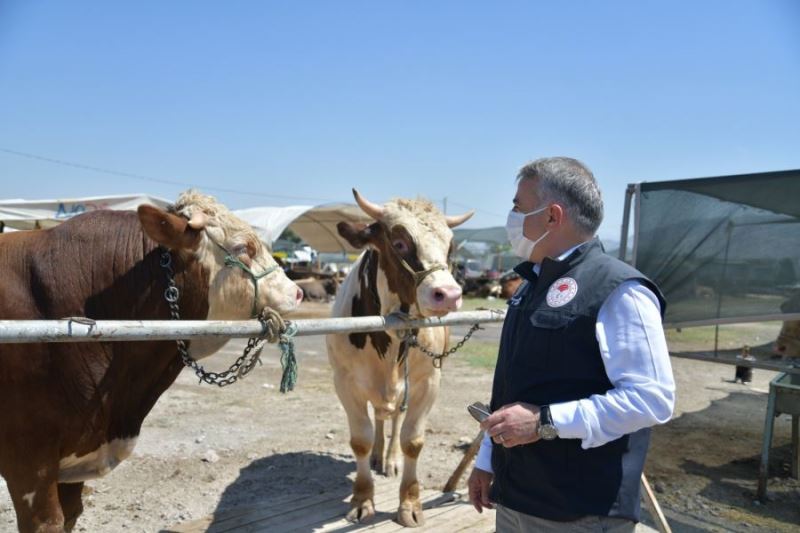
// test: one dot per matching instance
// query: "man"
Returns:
(583, 369)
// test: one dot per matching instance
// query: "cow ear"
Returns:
(358, 235)
(168, 230)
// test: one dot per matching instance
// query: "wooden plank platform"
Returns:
(444, 512)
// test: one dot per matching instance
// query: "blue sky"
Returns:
(280, 103)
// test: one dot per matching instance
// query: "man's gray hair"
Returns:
(571, 184)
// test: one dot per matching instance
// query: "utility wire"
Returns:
(132, 175)
(458, 204)
(156, 180)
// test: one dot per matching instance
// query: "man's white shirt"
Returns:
(636, 359)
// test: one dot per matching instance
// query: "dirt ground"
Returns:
(205, 449)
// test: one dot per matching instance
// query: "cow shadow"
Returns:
(289, 487)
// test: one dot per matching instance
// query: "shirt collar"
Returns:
(537, 267)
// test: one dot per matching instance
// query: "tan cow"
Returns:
(404, 268)
(72, 411)
(788, 342)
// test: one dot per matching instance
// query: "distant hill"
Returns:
(496, 234)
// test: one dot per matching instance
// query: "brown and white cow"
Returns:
(367, 367)
(73, 411)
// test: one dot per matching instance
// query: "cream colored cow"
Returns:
(788, 342)
(404, 268)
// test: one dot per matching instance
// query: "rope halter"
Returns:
(233, 261)
(421, 274)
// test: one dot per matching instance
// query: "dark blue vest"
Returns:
(551, 355)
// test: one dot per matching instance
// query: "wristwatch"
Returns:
(547, 430)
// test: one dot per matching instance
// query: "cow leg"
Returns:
(69, 494)
(393, 455)
(376, 460)
(35, 499)
(362, 504)
(412, 438)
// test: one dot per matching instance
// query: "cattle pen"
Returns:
(304, 473)
(447, 509)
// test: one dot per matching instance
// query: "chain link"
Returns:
(436, 358)
(243, 365)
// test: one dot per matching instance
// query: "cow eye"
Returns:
(400, 246)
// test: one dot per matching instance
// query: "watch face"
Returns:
(548, 432)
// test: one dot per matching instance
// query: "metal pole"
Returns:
(626, 216)
(747, 319)
(637, 213)
(84, 330)
(720, 286)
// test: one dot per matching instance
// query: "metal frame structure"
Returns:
(633, 195)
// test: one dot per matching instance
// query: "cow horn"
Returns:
(457, 220)
(198, 221)
(373, 210)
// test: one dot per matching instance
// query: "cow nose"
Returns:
(446, 298)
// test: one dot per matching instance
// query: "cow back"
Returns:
(101, 266)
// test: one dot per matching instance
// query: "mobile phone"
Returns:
(479, 411)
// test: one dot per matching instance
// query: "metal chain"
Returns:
(436, 358)
(243, 365)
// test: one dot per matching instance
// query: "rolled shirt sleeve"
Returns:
(636, 359)
(483, 461)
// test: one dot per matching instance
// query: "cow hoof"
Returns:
(410, 514)
(361, 512)
(392, 468)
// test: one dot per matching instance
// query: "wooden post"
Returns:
(652, 505)
(455, 477)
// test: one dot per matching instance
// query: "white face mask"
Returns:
(520, 244)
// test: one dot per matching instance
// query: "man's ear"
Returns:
(171, 231)
(555, 214)
(358, 235)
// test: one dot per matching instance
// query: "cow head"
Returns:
(243, 276)
(414, 242)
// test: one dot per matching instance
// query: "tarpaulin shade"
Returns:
(721, 247)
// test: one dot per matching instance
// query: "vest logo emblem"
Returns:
(561, 292)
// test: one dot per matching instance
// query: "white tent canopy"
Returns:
(316, 225)
(33, 214)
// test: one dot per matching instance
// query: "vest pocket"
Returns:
(551, 319)
(542, 338)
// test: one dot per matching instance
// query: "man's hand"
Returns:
(479, 483)
(513, 424)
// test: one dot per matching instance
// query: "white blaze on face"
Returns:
(232, 293)
(438, 293)
(74, 469)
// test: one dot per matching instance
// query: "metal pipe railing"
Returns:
(79, 329)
